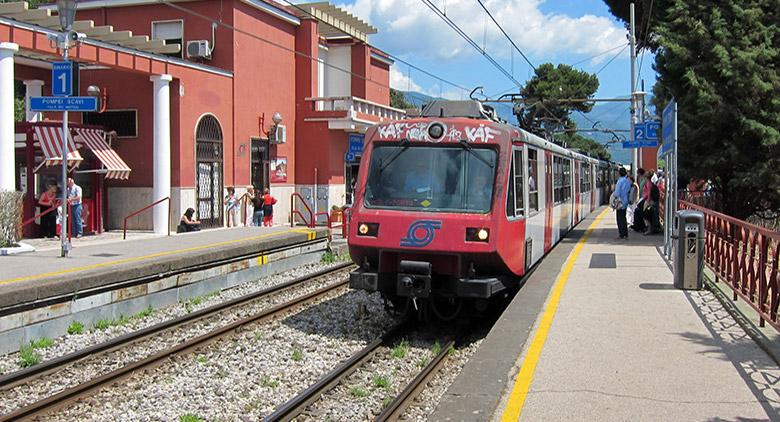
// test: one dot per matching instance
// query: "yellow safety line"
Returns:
(523, 382)
(145, 257)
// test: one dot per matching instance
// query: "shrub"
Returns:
(10, 218)
(75, 327)
(28, 356)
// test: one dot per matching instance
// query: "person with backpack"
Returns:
(268, 208)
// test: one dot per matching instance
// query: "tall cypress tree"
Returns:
(719, 60)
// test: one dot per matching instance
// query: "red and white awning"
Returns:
(115, 167)
(50, 139)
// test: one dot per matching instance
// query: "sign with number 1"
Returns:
(62, 79)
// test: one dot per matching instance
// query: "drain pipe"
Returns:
(314, 218)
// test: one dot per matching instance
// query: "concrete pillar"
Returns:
(7, 132)
(34, 89)
(162, 150)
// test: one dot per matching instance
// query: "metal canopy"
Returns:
(337, 22)
(21, 12)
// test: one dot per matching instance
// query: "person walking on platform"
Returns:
(268, 208)
(622, 190)
(74, 199)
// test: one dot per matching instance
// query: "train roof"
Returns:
(446, 111)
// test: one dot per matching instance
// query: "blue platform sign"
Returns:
(63, 103)
(349, 157)
(356, 144)
(62, 79)
(669, 126)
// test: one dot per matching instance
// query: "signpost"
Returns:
(63, 103)
(668, 151)
(355, 147)
(62, 79)
(645, 135)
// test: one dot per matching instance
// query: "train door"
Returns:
(535, 220)
(566, 201)
(548, 200)
(577, 190)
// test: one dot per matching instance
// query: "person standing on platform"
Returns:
(257, 203)
(268, 208)
(231, 207)
(74, 199)
(47, 201)
(622, 190)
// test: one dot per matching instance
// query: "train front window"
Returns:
(427, 178)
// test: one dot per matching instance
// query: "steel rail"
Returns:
(295, 406)
(71, 394)
(399, 405)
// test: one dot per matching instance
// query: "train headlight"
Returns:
(368, 229)
(474, 234)
(436, 130)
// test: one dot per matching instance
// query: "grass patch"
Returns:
(268, 382)
(259, 335)
(28, 357)
(423, 362)
(386, 402)
(358, 392)
(328, 257)
(190, 417)
(75, 327)
(145, 313)
(103, 324)
(42, 343)
(297, 355)
(381, 381)
(436, 348)
(197, 300)
(451, 351)
(400, 351)
(201, 359)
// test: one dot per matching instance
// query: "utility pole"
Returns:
(632, 41)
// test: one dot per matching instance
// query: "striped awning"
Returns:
(114, 165)
(50, 139)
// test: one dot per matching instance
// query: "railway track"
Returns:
(297, 405)
(72, 394)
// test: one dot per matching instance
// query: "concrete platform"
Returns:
(41, 275)
(582, 341)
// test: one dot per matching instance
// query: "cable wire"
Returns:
(506, 35)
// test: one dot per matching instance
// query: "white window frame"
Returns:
(183, 40)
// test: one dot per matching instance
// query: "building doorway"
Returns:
(209, 165)
(260, 164)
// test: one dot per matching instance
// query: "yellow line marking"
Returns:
(523, 382)
(140, 258)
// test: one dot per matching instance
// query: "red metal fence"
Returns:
(745, 256)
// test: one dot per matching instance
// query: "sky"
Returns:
(576, 32)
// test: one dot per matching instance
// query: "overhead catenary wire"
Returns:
(471, 42)
(511, 41)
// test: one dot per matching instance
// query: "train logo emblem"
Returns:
(420, 233)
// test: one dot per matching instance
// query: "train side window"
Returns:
(533, 177)
(510, 189)
(518, 175)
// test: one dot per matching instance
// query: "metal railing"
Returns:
(50, 210)
(746, 257)
(293, 212)
(167, 198)
(354, 105)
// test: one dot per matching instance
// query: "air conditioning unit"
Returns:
(199, 49)
(278, 134)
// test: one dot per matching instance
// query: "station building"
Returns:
(198, 96)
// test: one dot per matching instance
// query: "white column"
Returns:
(162, 150)
(7, 132)
(34, 89)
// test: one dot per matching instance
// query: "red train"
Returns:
(455, 206)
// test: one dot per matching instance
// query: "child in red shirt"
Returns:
(268, 208)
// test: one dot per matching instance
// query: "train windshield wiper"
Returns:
(396, 154)
(467, 146)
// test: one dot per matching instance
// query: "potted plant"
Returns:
(335, 214)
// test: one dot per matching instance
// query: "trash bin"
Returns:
(688, 244)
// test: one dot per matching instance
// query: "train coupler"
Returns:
(414, 279)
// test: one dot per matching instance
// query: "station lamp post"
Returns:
(67, 13)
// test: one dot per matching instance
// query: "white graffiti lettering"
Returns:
(454, 135)
(482, 133)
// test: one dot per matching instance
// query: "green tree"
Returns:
(719, 61)
(397, 100)
(32, 3)
(542, 110)
(19, 109)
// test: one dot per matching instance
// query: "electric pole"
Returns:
(632, 41)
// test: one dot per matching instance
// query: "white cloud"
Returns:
(402, 82)
(409, 26)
